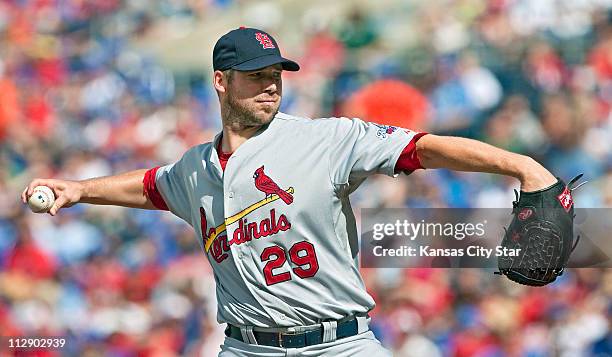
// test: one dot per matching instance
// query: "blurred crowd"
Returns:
(78, 100)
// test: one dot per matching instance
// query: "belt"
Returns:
(295, 340)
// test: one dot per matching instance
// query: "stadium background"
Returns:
(95, 88)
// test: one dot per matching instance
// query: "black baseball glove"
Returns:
(543, 230)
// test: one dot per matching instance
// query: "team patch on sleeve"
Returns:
(384, 131)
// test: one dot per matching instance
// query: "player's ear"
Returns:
(220, 81)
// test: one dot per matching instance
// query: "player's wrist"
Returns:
(533, 176)
(83, 191)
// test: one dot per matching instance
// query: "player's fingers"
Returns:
(55, 185)
(58, 187)
(59, 203)
(24, 196)
(39, 182)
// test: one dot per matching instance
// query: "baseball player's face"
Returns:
(253, 97)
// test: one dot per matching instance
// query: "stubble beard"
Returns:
(241, 116)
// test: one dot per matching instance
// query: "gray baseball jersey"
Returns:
(276, 224)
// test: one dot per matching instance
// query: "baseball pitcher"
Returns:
(268, 199)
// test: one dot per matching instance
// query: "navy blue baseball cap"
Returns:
(248, 49)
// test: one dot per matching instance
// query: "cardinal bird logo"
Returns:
(266, 185)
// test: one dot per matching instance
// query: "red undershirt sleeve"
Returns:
(150, 190)
(409, 160)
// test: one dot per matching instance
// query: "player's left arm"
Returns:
(462, 154)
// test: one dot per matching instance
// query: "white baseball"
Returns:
(42, 199)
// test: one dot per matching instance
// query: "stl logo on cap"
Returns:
(264, 40)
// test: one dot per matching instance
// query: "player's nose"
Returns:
(271, 88)
(271, 85)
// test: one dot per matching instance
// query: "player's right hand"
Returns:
(67, 193)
